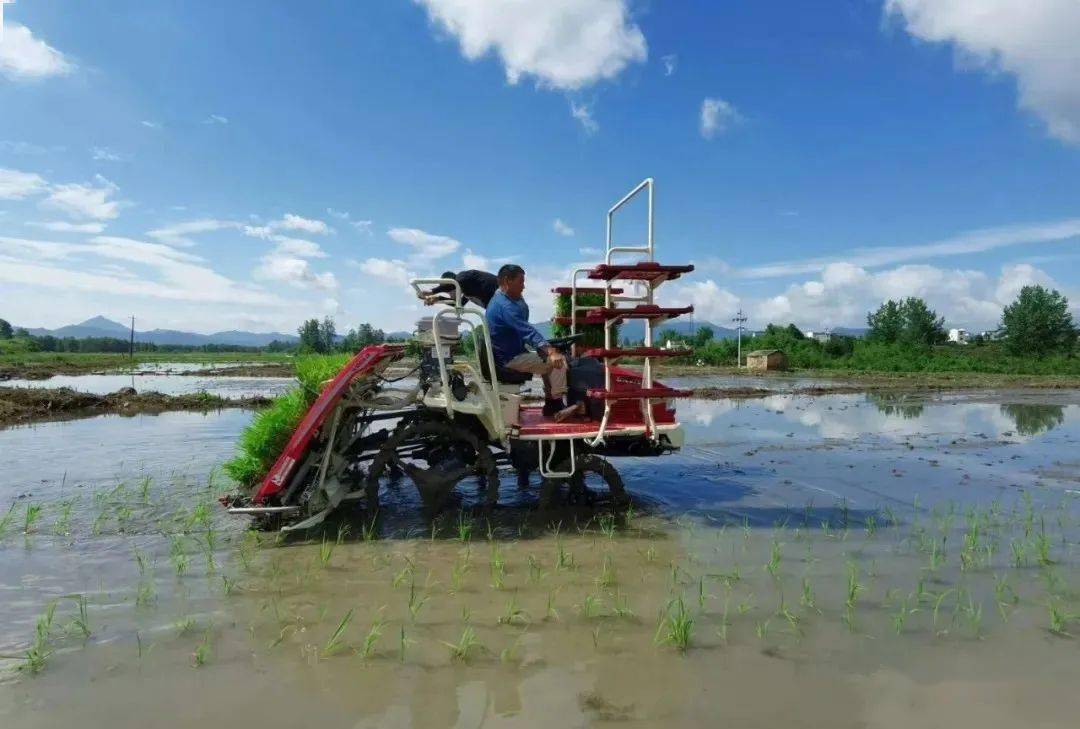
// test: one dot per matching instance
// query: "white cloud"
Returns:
(16, 185)
(307, 225)
(1036, 42)
(299, 247)
(426, 246)
(975, 241)
(475, 261)
(671, 62)
(28, 148)
(24, 57)
(292, 270)
(562, 228)
(104, 154)
(84, 200)
(392, 270)
(583, 113)
(215, 119)
(61, 226)
(563, 44)
(364, 226)
(717, 116)
(177, 234)
(150, 124)
(587, 251)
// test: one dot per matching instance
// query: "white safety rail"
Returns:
(647, 185)
(475, 316)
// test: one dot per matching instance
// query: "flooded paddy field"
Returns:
(847, 560)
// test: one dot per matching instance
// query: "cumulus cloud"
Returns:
(24, 57)
(292, 270)
(563, 44)
(393, 271)
(84, 200)
(364, 226)
(426, 246)
(300, 248)
(16, 185)
(104, 154)
(562, 228)
(583, 114)
(1036, 42)
(307, 225)
(717, 116)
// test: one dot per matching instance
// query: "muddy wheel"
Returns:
(596, 482)
(450, 453)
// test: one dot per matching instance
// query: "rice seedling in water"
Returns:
(775, 554)
(900, 616)
(721, 632)
(6, 520)
(761, 629)
(676, 625)
(591, 607)
(870, 524)
(607, 578)
(178, 556)
(336, 642)
(807, 599)
(937, 605)
(513, 614)
(607, 525)
(467, 644)
(371, 640)
(551, 613)
(564, 560)
(973, 612)
(1019, 552)
(82, 622)
(854, 587)
(33, 513)
(184, 625)
(35, 657)
(622, 606)
(536, 570)
(416, 603)
(326, 551)
(145, 594)
(204, 650)
(1059, 619)
(1005, 595)
(498, 567)
(62, 525)
(227, 585)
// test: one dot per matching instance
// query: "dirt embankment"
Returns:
(20, 405)
(267, 370)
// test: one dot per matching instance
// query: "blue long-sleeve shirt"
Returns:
(508, 322)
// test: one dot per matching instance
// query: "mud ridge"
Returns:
(21, 405)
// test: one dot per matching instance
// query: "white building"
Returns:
(818, 336)
(958, 336)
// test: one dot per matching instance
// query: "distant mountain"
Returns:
(99, 326)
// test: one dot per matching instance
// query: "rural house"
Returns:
(766, 359)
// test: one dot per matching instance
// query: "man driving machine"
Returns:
(508, 323)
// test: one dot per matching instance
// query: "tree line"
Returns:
(1037, 335)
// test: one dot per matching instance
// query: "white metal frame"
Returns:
(465, 312)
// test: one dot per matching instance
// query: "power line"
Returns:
(739, 320)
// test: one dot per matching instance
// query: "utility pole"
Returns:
(131, 342)
(739, 320)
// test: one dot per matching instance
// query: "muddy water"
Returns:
(229, 387)
(845, 561)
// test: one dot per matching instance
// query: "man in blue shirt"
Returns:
(508, 323)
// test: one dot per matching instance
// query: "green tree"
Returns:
(910, 321)
(922, 325)
(886, 324)
(310, 337)
(1038, 323)
(327, 335)
(5, 329)
(702, 336)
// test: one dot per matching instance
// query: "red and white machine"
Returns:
(462, 418)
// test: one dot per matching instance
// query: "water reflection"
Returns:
(1034, 419)
(897, 403)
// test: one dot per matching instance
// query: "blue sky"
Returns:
(249, 164)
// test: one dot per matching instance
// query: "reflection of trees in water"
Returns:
(896, 403)
(1034, 419)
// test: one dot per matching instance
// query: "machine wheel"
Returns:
(451, 452)
(591, 471)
